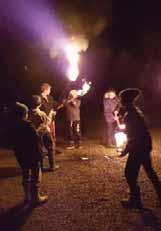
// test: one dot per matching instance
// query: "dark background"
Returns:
(124, 51)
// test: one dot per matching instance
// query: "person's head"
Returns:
(36, 101)
(129, 96)
(45, 89)
(73, 94)
(20, 111)
(110, 94)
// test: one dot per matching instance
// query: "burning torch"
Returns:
(85, 88)
(72, 51)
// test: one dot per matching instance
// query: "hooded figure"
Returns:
(138, 148)
(110, 103)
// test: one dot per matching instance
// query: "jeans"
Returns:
(49, 144)
(31, 177)
(74, 132)
(110, 129)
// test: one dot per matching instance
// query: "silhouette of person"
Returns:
(25, 143)
(138, 148)
(72, 105)
(110, 102)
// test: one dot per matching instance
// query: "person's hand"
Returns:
(116, 117)
(54, 113)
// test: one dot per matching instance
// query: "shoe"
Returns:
(58, 152)
(54, 168)
(128, 204)
(70, 147)
(37, 199)
(78, 147)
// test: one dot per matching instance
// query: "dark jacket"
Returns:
(40, 121)
(25, 142)
(49, 105)
(73, 110)
(138, 135)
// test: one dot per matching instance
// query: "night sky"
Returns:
(124, 49)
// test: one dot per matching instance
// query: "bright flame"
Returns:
(72, 53)
(121, 140)
(73, 49)
(85, 88)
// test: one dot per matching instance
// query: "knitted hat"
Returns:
(36, 100)
(20, 110)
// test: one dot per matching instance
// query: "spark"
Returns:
(85, 88)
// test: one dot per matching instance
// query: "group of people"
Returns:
(34, 128)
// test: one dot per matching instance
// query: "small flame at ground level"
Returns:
(121, 140)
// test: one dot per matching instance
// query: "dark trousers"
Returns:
(110, 130)
(74, 132)
(49, 144)
(53, 130)
(134, 162)
(31, 177)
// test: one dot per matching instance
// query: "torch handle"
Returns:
(63, 104)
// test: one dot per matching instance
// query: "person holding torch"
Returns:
(138, 148)
(73, 117)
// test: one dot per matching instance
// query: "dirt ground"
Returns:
(84, 193)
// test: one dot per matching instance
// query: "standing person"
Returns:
(25, 143)
(110, 103)
(73, 117)
(138, 148)
(42, 124)
(48, 105)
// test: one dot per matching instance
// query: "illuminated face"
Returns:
(110, 95)
(73, 94)
(47, 91)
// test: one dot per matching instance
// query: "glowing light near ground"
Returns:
(72, 50)
(121, 138)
